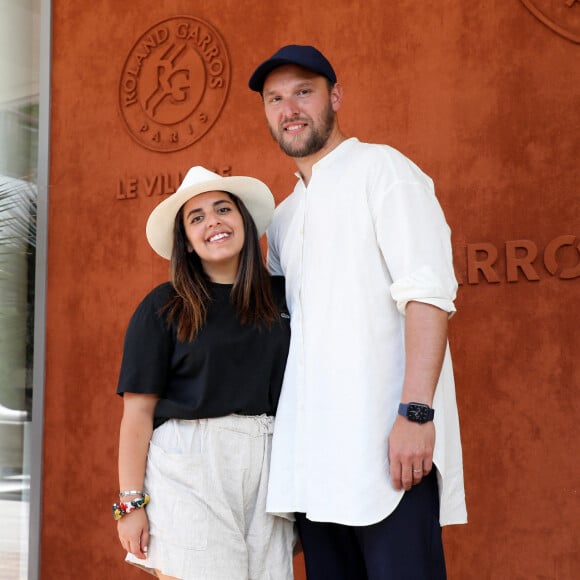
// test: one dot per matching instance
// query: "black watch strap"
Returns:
(417, 412)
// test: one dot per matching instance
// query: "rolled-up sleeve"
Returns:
(423, 286)
(415, 242)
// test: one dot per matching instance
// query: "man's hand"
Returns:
(410, 452)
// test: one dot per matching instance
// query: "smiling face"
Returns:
(214, 228)
(301, 111)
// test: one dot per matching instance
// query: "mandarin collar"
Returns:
(337, 153)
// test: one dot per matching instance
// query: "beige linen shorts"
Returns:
(208, 480)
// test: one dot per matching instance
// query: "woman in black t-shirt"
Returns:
(202, 370)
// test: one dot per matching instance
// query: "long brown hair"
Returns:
(251, 293)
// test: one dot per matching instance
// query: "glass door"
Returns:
(19, 96)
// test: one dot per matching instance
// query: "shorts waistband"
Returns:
(248, 424)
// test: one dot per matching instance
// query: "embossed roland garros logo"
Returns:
(562, 16)
(174, 83)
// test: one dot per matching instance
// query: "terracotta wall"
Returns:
(482, 95)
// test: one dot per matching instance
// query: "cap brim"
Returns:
(257, 80)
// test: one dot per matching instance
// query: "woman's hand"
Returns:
(133, 530)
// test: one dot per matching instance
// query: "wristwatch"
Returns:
(417, 412)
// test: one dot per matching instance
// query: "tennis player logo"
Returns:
(174, 84)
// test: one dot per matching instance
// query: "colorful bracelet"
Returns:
(123, 508)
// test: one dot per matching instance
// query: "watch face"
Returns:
(418, 413)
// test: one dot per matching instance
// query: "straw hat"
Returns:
(256, 197)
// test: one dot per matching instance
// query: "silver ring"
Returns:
(417, 471)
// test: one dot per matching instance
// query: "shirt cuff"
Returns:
(424, 285)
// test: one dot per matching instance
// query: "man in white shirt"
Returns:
(368, 402)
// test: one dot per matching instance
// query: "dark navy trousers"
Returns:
(407, 545)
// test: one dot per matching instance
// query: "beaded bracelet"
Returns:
(123, 508)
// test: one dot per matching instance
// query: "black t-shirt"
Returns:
(228, 367)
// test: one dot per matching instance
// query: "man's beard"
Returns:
(315, 142)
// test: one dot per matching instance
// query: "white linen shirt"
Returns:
(364, 238)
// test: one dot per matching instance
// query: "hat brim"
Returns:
(255, 195)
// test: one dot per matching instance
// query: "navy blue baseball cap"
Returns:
(304, 56)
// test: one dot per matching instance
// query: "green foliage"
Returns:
(17, 255)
